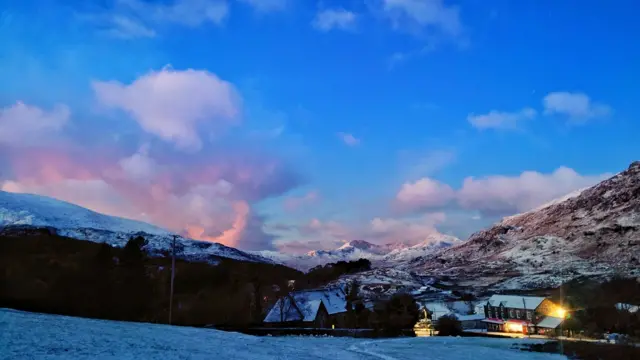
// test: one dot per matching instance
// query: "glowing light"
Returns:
(514, 327)
(561, 313)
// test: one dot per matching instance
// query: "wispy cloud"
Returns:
(127, 28)
(434, 22)
(293, 203)
(430, 15)
(330, 19)
(129, 19)
(266, 6)
(501, 120)
(349, 139)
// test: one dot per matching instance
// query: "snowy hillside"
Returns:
(594, 232)
(379, 255)
(39, 336)
(21, 213)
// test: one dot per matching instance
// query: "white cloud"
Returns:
(577, 106)
(504, 195)
(266, 6)
(501, 120)
(349, 139)
(24, 125)
(433, 14)
(424, 193)
(330, 19)
(170, 104)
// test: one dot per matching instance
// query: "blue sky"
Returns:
(295, 125)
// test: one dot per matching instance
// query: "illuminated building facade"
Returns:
(522, 314)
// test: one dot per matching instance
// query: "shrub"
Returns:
(448, 325)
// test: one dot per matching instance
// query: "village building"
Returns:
(317, 308)
(523, 314)
(468, 315)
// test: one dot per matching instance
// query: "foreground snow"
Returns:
(29, 336)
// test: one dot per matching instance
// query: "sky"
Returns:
(294, 125)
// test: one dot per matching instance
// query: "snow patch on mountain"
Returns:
(379, 255)
(22, 213)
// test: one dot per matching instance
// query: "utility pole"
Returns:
(526, 317)
(173, 273)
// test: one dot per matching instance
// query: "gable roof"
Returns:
(306, 304)
(517, 302)
(550, 322)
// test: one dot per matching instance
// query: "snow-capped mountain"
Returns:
(20, 213)
(379, 255)
(594, 232)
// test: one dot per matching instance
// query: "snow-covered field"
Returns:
(38, 336)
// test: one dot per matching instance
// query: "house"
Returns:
(460, 310)
(473, 321)
(627, 307)
(522, 314)
(317, 308)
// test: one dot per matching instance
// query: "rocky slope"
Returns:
(21, 213)
(593, 233)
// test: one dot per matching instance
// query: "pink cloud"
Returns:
(497, 194)
(424, 193)
(507, 195)
(293, 203)
(409, 231)
(211, 202)
(172, 104)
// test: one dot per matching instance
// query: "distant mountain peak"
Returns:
(358, 244)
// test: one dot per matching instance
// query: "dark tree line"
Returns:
(592, 306)
(324, 274)
(44, 272)
(47, 273)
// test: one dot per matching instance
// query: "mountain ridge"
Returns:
(594, 232)
(20, 213)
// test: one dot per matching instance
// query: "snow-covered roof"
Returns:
(628, 307)
(550, 322)
(440, 309)
(306, 304)
(516, 302)
(437, 310)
